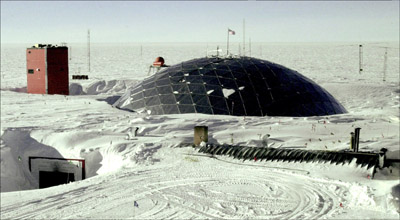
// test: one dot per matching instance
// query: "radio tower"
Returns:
(361, 58)
(88, 49)
(385, 64)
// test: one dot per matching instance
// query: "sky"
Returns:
(198, 21)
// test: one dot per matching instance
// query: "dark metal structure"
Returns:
(365, 159)
(241, 86)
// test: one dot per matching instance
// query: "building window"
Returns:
(30, 71)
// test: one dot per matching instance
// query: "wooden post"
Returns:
(200, 134)
(352, 141)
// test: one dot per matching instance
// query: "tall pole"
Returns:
(227, 46)
(249, 46)
(88, 49)
(385, 64)
(360, 58)
(244, 42)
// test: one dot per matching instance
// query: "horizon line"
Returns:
(204, 42)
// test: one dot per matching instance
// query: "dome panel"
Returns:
(186, 109)
(150, 92)
(168, 99)
(138, 104)
(170, 109)
(204, 110)
(155, 110)
(149, 85)
(197, 88)
(201, 100)
(180, 88)
(183, 99)
(137, 96)
(164, 89)
(152, 101)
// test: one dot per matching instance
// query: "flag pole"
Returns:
(227, 46)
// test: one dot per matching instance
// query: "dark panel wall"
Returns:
(57, 70)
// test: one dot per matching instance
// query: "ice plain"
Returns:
(168, 181)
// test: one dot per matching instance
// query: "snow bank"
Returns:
(101, 87)
(104, 152)
(75, 89)
(16, 147)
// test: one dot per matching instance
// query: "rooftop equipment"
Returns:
(157, 65)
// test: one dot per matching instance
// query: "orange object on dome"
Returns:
(159, 61)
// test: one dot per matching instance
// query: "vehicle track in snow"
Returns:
(270, 196)
(217, 190)
(206, 189)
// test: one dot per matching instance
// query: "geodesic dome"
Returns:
(242, 86)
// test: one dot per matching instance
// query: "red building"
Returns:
(47, 69)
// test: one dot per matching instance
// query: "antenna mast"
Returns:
(250, 47)
(88, 49)
(360, 58)
(385, 64)
(227, 44)
(244, 43)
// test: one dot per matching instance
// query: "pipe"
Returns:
(352, 144)
(357, 138)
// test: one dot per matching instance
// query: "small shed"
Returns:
(47, 69)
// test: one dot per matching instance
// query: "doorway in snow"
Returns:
(56, 171)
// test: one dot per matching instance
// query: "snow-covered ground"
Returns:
(170, 181)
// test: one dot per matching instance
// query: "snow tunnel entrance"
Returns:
(49, 179)
(56, 171)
